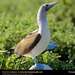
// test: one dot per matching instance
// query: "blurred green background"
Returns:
(19, 17)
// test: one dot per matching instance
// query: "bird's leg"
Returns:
(38, 65)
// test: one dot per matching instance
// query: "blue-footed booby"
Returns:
(37, 41)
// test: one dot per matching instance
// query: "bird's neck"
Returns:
(42, 23)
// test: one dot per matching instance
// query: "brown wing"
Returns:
(27, 44)
(34, 32)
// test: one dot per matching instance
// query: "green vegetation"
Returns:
(18, 18)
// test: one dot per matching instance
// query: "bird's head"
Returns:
(45, 7)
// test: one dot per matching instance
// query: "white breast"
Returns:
(43, 43)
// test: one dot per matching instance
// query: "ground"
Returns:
(19, 17)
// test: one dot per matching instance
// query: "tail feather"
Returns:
(4, 51)
(8, 51)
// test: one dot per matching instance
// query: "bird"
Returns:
(37, 41)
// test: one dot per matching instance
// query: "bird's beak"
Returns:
(52, 4)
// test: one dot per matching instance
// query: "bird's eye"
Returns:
(46, 5)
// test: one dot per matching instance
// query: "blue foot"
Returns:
(51, 45)
(38, 65)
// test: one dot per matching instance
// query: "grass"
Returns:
(18, 18)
